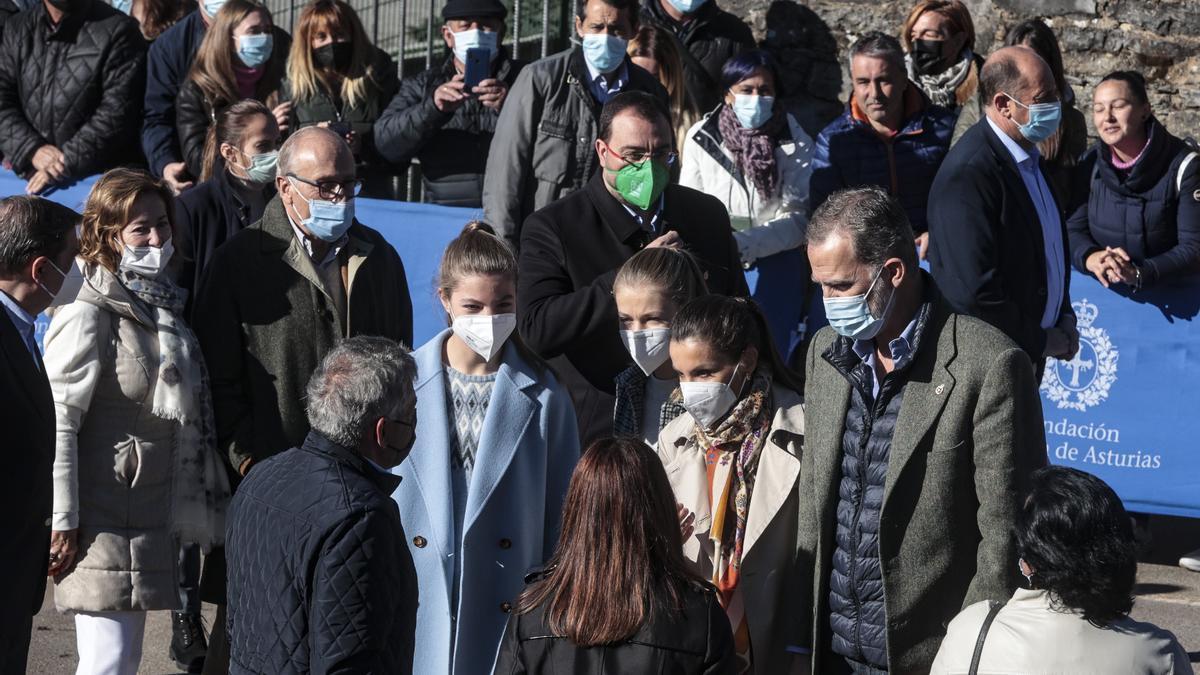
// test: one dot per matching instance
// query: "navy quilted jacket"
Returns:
(320, 577)
(856, 605)
(850, 154)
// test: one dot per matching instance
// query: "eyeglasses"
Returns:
(668, 157)
(333, 189)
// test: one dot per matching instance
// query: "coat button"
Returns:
(505, 607)
(506, 544)
(419, 541)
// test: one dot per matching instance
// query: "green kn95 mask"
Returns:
(641, 184)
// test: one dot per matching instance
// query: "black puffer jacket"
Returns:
(1151, 211)
(856, 604)
(694, 641)
(76, 86)
(320, 577)
(450, 145)
(707, 41)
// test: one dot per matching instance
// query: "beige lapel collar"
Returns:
(778, 467)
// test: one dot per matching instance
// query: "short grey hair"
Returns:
(362, 379)
(283, 166)
(880, 46)
(873, 220)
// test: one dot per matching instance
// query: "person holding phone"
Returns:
(445, 116)
(337, 79)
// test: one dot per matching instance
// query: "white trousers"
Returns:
(110, 643)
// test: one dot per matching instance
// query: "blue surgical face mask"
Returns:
(753, 111)
(1043, 120)
(604, 52)
(254, 50)
(261, 169)
(211, 7)
(326, 220)
(476, 39)
(686, 6)
(122, 6)
(851, 316)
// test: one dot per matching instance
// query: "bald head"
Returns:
(313, 149)
(1012, 80)
(1016, 70)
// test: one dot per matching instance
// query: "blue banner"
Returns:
(1126, 408)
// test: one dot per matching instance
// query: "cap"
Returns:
(471, 9)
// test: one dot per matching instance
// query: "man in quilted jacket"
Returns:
(320, 577)
(71, 79)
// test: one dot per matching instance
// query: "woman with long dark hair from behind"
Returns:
(618, 596)
(734, 462)
(1079, 561)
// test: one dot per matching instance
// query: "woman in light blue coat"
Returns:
(496, 442)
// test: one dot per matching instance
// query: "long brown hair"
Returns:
(106, 213)
(620, 555)
(477, 251)
(654, 42)
(306, 78)
(212, 71)
(159, 15)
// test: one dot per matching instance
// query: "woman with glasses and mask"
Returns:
(136, 469)
(734, 462)
(247, 139)
(649, 289)
(240, 58)
(752, 154)
(496, 443)
(337, 79)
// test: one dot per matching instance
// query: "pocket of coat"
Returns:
(126, 461)
(552, 152)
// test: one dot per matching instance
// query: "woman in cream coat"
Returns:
(734, 462)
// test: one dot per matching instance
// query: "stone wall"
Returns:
(1160, 38)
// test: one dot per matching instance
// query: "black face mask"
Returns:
(927, 56)
(335, 55)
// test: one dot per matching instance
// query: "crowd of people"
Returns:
(612, 459)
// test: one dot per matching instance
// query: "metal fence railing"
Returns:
(410, 30)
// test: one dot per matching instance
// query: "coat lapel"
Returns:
(429, 462)
(32, 380)
(510, 409)
(826, 418)
(778, 469)
(929, 387)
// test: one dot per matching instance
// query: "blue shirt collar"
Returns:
(652, 227)
(901, 347)
(23, 320)
(1020, 155)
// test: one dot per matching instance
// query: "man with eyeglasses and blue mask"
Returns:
(440, 121)
(922, 427)
(571, 251)
(543, 147)
(1002, 250)
(281, 293)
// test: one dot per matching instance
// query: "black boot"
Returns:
(188, 645)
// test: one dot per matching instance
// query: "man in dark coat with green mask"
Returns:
(571, 250)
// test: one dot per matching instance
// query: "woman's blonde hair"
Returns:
(673, 271)
(306, 78)
(213, 72)
(954, 10)
(654, 42)
(107, 212)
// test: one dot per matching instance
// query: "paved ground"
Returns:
(1167, 596)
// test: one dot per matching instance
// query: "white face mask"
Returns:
(148, 261)
(708, 402)
(485, 335)
(649, 348)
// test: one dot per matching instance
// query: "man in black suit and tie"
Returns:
(37, 246)
(997, 240)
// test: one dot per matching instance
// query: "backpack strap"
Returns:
(993, 609)
(1182, 168)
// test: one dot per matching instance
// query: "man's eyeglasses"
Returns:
(668, 157)
(333, 189)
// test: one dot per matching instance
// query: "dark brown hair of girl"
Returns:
(478, 251)
(620, 555)
(672, 270)
(729, 326)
